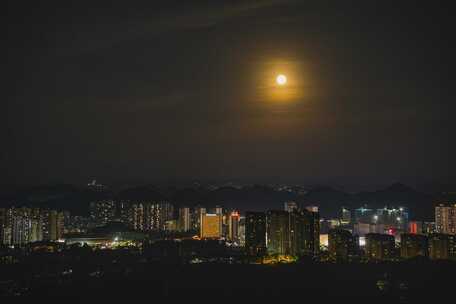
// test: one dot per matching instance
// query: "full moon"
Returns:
(281, 79)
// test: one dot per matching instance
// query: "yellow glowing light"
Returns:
(279, 82)
(281, 79)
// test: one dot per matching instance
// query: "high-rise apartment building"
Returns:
(2, 224)
(242, 231)
(136, 216)
(147, 216)
(278, 232)
(346, 216)
(364, 215)
(290, 206)
(304, 233)
(56, 220)
(255, 233)
(392, 218)
(218, 210)
(442, 246)
(380, 246)
(21, 229)
(102, 211)
(198, 211)
(294, 233)
(184, 219)
(413, 245)
(211, 226)
(341, 244)
(445, 218)
(25, 225)
(233, 226)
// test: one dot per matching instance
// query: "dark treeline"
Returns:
(122, 275)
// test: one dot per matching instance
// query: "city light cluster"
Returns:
(274, 236)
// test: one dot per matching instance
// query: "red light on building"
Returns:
(391, 231)
(413, 227)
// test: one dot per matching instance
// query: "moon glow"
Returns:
(281, 80)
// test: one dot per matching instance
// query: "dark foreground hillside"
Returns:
(95, 280)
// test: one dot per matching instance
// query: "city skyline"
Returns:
(295, 230)
(228, 151)
(148, 233)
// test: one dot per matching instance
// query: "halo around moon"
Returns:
(281, 82)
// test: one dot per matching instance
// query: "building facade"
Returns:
(233, 226)
(211, 226)
(20, 226)
(442, 246)
(445, 218)
(380, 246)
(342, 245)
(184, 219)
(304, 233)
(278, 232)
(294, 233)
(413, 245)
(102, 211)
(255, 233)
(290, 206)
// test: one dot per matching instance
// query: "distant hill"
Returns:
(253, 198)
(328, 200)
(256, 197)
(142, 193)
(60, 197)
(420, 204)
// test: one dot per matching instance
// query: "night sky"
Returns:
(150, 92)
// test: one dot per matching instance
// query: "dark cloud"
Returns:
(147, 91)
